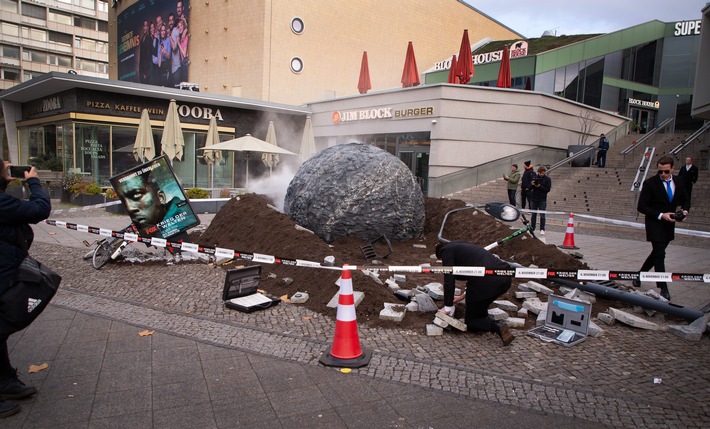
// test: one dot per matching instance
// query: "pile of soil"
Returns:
(250, 224)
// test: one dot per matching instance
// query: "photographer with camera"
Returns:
(660, 197)
(15, 217)
(539, 188)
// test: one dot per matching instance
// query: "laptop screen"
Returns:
(565, 313)
(241, 281)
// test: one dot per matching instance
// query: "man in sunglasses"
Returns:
(660, 197)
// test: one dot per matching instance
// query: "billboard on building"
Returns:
(154, 199)
(153, 42)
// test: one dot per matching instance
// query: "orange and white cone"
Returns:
(568, 243)
(345, 350)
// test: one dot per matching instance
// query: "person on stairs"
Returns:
(526, 183)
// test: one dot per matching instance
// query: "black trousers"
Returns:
(657, 260)
(480, 295)
(511, 196)
(6, 369)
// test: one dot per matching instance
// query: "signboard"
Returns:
(142, 29)
(687, 28)
(154, 199)
(643, 103)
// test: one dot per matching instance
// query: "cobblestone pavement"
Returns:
(607, 380)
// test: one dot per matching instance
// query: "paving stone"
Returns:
(524, 287)
(435, 290)
(399, 278)
(593, 330)
(299, 297)
(515, 322)
(537, 287)
(692, 332)
(425, 303)
(631, 320)
(433, 330)
(534, 305)
(404, 294)
(497, 314)
(506, 305)
(373, 275)
(440, 322)
(581, 296)
(392, 285)
(357, 295)
(523, 312)
(455, 323)
(525, 295)
(541, 318)
(393, 312)
(606, 318)
(412, 306)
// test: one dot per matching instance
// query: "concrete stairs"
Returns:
(604, 192)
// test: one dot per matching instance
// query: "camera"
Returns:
(535, 182)
(679, 216)
(18, 171)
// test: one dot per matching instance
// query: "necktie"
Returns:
(668, 189)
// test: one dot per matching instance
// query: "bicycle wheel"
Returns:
(103, 252)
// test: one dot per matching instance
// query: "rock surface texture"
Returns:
(356, 190)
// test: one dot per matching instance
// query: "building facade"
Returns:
(294, 51)
(646, 72)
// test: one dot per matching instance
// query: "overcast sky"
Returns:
(532, 17)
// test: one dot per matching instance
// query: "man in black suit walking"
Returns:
(689, 174)
(660, 197)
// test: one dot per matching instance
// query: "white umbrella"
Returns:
(270, 159)
(212, 156)
(248, 143)
(172, 141)
(308, 143)
(144, 147)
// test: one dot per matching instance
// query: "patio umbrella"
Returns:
(212, 156)
(464, 64)
(308, 142)
(270, 159)
(172, 141)
(410, 74)
(248, 144)
(364, 84)
(452, 71)
(144, 147)
(504, 71)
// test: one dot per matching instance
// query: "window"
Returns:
(89, 24)
(11, 74)
(103, 6)
(59, 60)
(89, 4)
(88, 44)
(10, 51)
(34, 56)
(29, 74)
(8, 5)
(91, 66)
(61, 38)
(60, 18)
(34, 11)
(34, 34)
(10, 29)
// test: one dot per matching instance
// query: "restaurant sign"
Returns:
(340, 116)
(644, 103)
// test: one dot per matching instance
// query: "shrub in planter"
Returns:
(93, 189)
(197, 193)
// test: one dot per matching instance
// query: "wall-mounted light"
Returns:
(433, 121)
(225, 57)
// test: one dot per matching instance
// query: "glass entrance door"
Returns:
(418, 161)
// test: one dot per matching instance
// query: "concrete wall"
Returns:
(701, 93)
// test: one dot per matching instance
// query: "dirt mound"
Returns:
(250, 224)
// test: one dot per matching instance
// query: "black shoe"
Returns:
(9, 408)
(13, 388)
(636, 283)
(501, 329)
(665, 294)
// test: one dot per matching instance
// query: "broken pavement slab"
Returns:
(534, 305)
(537, 287)
(433, 330)
(357, 295)
(393, 312)
(497, 314)
(455, 323)
(506, 305)
(631, 320)
(692, 332)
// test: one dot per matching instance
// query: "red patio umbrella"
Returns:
(364, 84)
(464, 65)
(452, 71)
(504, 71)
(410, 74)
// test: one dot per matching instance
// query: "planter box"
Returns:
(116, 208)
(208, 205)
(86, 199)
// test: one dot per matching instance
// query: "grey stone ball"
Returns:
(357, 190)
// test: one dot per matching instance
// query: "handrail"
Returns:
(584, 151)
(611, 135)
(647, 136)
(682, 145)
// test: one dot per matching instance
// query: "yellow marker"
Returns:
(346, 370)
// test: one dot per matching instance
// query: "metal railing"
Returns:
(612, 136)
(691, 139)
(643, 141)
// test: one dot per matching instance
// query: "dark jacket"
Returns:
(689, 176)
(16, 213)
(539, 193)
(654, 200)
(528, 175)
(603, 143)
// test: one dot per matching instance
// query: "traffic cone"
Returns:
(345, 350)
(569, 234)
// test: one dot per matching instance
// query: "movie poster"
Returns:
(145, 52)
(154, 199)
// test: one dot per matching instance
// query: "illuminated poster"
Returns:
(153, 42)
(154, 199)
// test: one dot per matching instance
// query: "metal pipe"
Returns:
(633, 299)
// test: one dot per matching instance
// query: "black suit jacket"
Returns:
(654, 200)
(689, 176)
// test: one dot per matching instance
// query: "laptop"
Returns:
(241, 290)
(567, 321)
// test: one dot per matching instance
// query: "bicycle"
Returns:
(109, 249)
